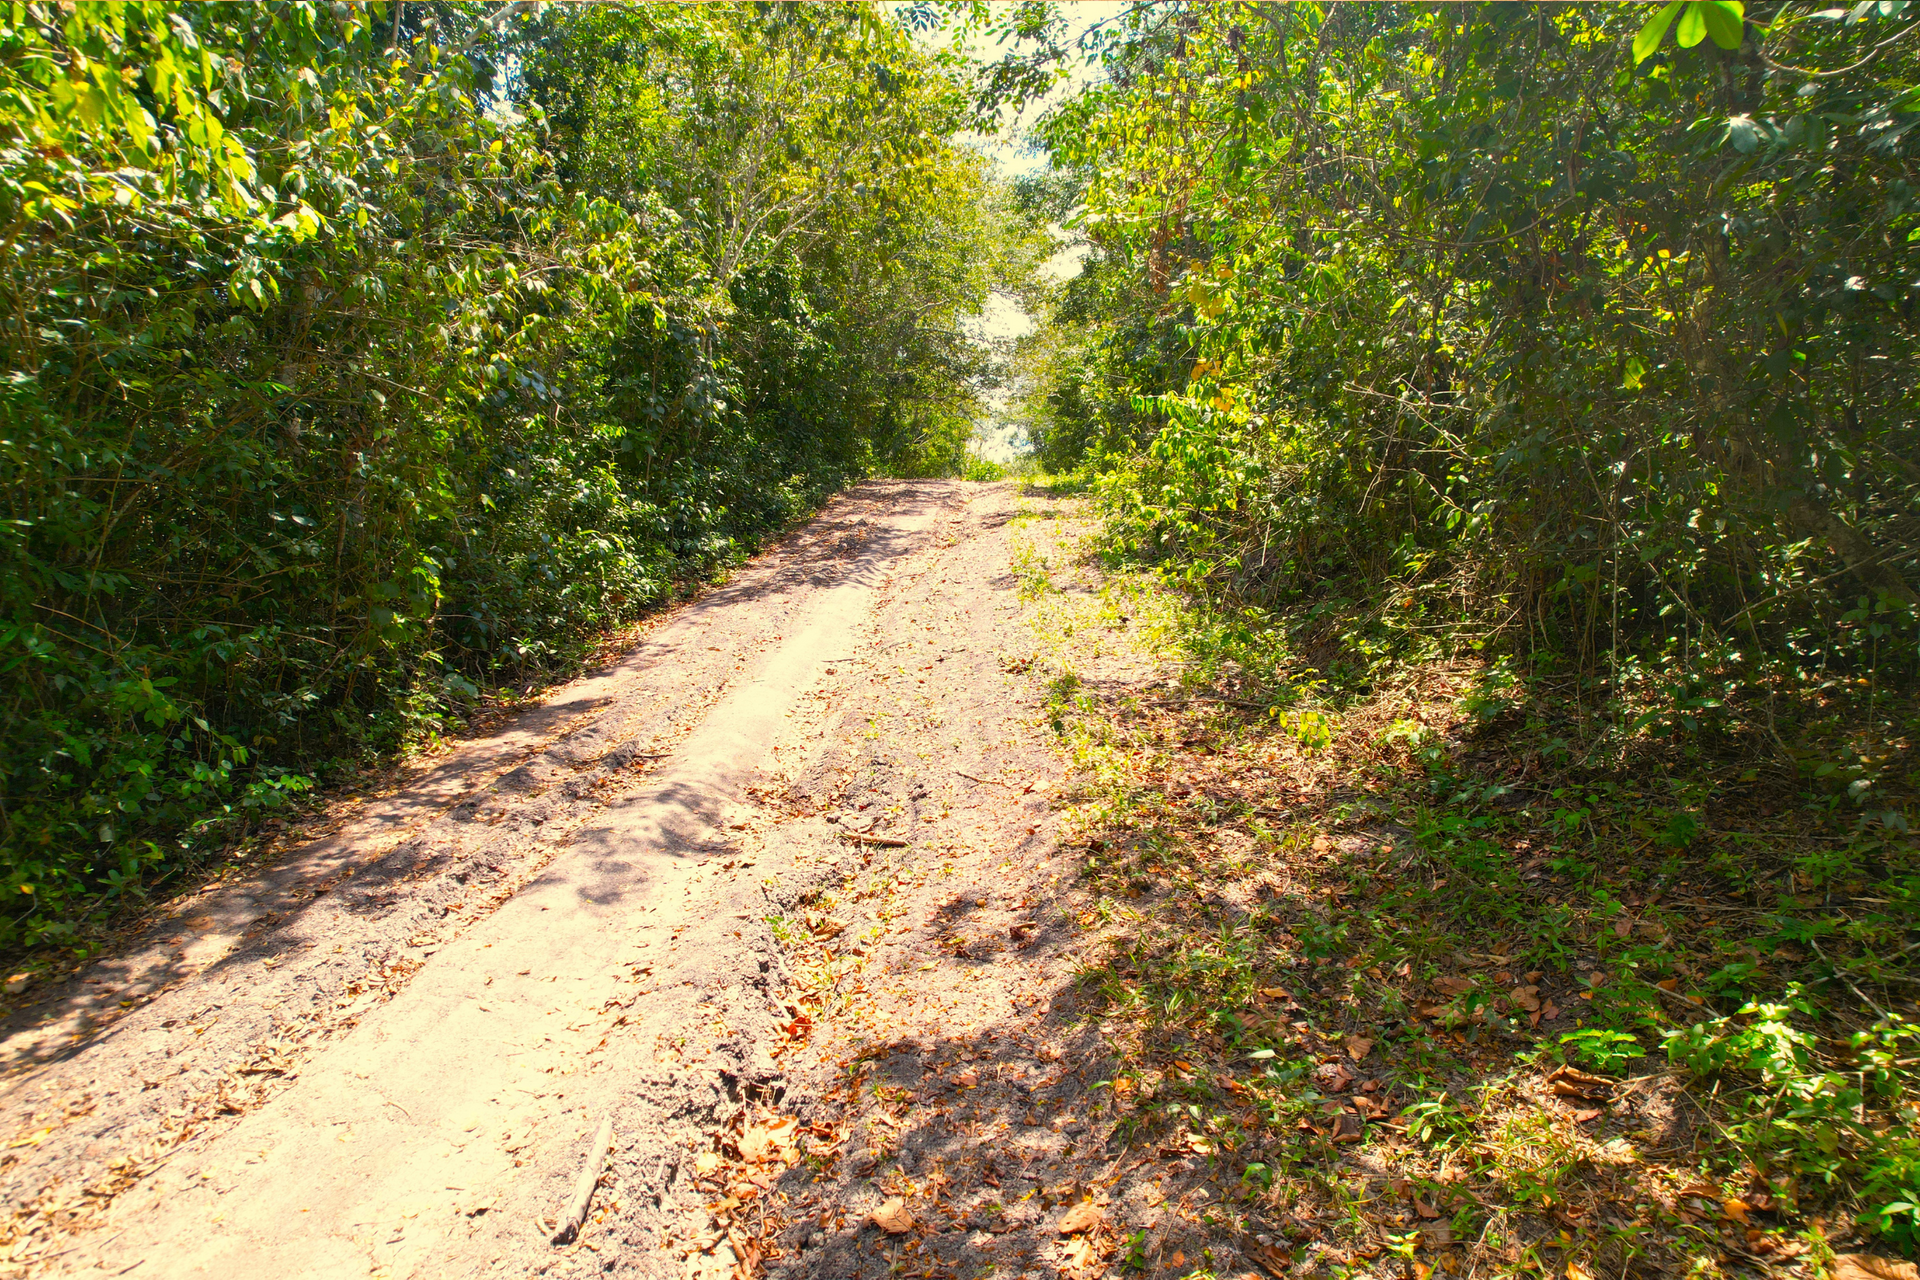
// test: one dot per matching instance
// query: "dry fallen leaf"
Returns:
(769, 1139)
(1864, 1266)
(1323, 844)
(1575, 1271)
(1527, 998)
(1453, 986)
(1571, 1082)
(1358, 1047)
(1275, 1262)
(1084, 1216)
(967, 1079)
(893, 1217)
(1425, 1210)
(1736, 1209)
(1334, 1076)
(706, 1162)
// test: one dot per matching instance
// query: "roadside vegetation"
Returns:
(1502, 419)
(365, 358)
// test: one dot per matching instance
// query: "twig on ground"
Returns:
(1840, 973)
(883, 842)
(576, 1213)
(990, 781)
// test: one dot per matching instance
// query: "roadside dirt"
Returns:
(778, 893)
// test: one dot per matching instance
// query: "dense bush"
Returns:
(1488, 321)
(340, 379)
(1583, 338)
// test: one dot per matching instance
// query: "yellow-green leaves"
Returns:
(1723, 20)
(1208, 301)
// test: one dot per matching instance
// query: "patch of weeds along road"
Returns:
(1428, 974)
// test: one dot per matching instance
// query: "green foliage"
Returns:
(982, 469)
(1576, 343)
(1601, 1049)
(1844, 1125)
(1527, 325)
(339, 384)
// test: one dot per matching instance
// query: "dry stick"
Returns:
(990, 781)
(583, 1188)
(882, 841)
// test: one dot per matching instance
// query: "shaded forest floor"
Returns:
(1390, 982)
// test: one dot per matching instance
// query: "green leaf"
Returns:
(1693, 25)
(1654, 31)
(1726, 21)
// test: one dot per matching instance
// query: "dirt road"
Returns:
(388, 1053)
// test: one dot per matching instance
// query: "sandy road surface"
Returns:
(384, 1054)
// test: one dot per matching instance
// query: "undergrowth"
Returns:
(1441, 967)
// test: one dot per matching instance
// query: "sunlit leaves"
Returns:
(1721, 19)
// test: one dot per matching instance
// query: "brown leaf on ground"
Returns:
(771, 1139)
(1334, 1076)
(1084, 1216)
(1453, 986)
(1323, 844)
(1425, 1210)
(1865, 1266)
(1527, 998)
(1275, 1262)
(1571, 1082)
(1358, 1047)
(893, 1217)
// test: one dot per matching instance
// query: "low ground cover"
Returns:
(1434, 972)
